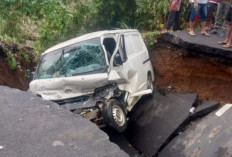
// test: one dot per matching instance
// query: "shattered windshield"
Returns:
(80, 58)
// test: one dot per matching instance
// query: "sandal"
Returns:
(192, 34)
(222, 42)
(206, 34)
(227, 46)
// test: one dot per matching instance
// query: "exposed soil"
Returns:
(177, 70)
(16, 78)
(12, 78)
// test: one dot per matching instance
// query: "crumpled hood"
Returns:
(68, 87)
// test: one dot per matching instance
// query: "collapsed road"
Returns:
(209, 137)
(30, 126)
(176, 122)
(157, 121)
(163, 125)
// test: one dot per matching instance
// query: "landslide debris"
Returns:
(16, 63)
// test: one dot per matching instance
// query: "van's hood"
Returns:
(68, 87)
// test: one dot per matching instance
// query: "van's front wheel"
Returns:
(114, 115)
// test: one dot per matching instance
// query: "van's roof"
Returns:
(86, 37)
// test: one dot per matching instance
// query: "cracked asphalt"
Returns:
(30, 126)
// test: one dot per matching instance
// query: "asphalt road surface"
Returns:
(156, 121)
(32, 127)
(199, 43)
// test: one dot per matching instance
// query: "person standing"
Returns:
(189, 13)
(174, 15)
(212, 7)
(227, 43)
(199, 7)
(223, 8)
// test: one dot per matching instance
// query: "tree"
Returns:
(50, 17)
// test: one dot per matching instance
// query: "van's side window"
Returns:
(133, 43)
(121, 55)
(110, 45)
(122, 49)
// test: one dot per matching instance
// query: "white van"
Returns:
(100, 75)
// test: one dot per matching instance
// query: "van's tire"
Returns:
(150, 84)
(114, 115)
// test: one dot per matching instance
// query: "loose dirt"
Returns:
(12, 78)
(177, 70)
(25, 58)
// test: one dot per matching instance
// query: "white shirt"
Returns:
(201, 1)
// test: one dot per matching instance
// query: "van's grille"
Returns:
(72, 100)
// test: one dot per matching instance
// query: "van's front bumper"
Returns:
(77, 102)
(86, 106)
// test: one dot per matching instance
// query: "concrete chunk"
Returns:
(209, 137)
(154, 120)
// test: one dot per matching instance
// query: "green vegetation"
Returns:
(12, 62)
(25, 56)
(7, 38)
(43, 23)
(150, 37)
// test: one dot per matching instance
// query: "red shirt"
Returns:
(175, 5)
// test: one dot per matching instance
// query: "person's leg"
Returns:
(229, 28)
(170, 19)
(209, 21)
(227, 40)
(192, 19)
(211, 12)
(203, 29)
(188, 17)
(209, 15)
(228, 31)
(219, 15)
(228, 34)
(197, 19)
(226, 7)
(229, 43)
(176, 23)
(217, 20)
(203, 18)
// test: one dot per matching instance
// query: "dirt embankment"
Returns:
(17, 77)
(177, 70)
(12, 78)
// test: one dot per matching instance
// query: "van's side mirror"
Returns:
(117, 60)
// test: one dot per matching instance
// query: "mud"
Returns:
(12, 78)
(179, 70)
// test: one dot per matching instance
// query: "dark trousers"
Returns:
(222, 10)
(173, 19)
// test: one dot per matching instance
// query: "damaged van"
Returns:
(100, 75)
